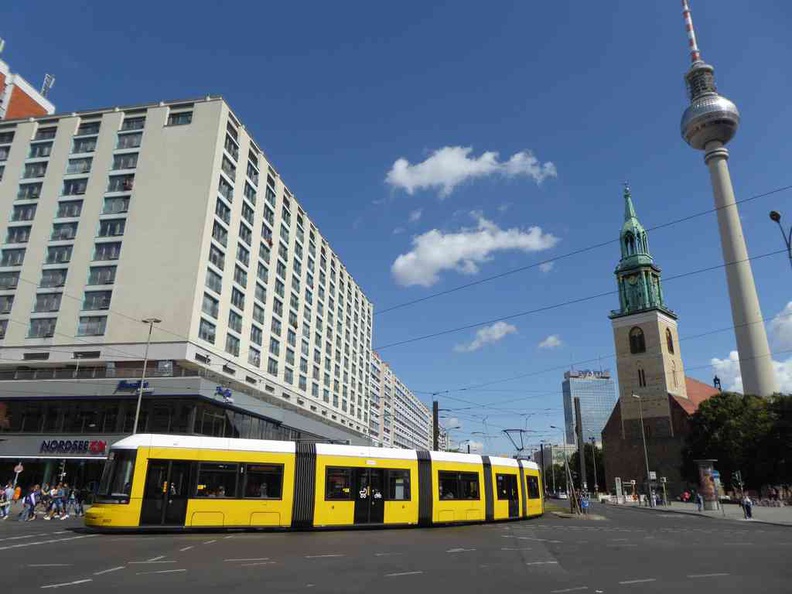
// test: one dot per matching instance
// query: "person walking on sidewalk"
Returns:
(747, 506)
(699, 502)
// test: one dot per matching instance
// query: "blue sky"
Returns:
(338, 93)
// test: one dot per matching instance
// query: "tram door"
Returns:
(507, 489)
(165, 493)
(369, 496)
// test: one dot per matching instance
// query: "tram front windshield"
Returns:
(116, 483)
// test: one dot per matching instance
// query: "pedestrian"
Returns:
(5, 504)
(699, 502)
(28, 513)
(747, 506)
(10, 494)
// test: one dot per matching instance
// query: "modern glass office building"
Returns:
(597, 393)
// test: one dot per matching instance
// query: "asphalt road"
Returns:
(629, 551)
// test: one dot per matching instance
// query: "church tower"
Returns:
(648, 355)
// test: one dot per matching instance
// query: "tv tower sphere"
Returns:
(709, 117)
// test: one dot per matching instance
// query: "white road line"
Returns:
(67, 584)
(578, 589)
(51, 565)
(240, 560)
(210, 541)
(20, 537)
(155, 559)
(706, 575)
(260, 563)
(227, 537)
(321, 556)
(161, 571)
(513, 549)
(644, 581)
(403, 573)
(111, 570)
(186, 548)
(386, 554)
(459, 550)
(543, 563)
(43, 542)
(149, 562)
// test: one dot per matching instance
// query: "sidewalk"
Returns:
(779, 516)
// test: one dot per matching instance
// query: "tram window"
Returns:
(458, 485)
(398, 485)
(506, 486)
(337, 483)
(263, 481)
(533, 487)
(116, 483)
(217, 480)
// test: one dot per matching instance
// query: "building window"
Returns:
(222, 211)
(63, 231)
(641, 378)
(210, 306)
(256, 335)
(228, 168)
(70, 209)
(59, 254)
(29, 191)
(112, 228)
(97, 300)
(125, 161)
(216, 256)
(12, 257)
(240, 276)
(47, 302)
(42, 328)
(234, 321)
(250, 193)
(238, 298)
(88, 129)
(53, 277)
(245, 233)
(79, 165)
(274, 347)
(226, 190)
(276, 326)
(232, 345)
(9, 280)
(129, 141)
(637, 341)
(6, 302)
(18, 234)
(75, 187)
(220, 234)
(101, 275)
(107, 251)
(181, 118)
(133, 123)
(214, 281)
(258, 313)
(206, 331)
(254, 357)
(115, 205)
(272, 367)
(83, 145)
(260, 293)
(40, 150)
(243, 255)
(24, 212)
(121, 183)
(669, 341)
(34, 170)
(458, 485)
(3, 328)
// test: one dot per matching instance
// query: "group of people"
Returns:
(56, 501)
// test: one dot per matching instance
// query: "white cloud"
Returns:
(728, 370)
(504, 207)
(398, 230)
(452, 423)
(475, 446)
(415, 215)
(546, 266)
(450, 166)
(435, 251)
(781, 328)
(551, 342)
(487, 335)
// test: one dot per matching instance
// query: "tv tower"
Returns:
(709, 122)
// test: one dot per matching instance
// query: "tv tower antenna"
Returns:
(708, 124)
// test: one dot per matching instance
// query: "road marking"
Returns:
(51, 565)
(513, 549)
(240, 560)
(111, 570)
(186, 548)
(644, 581)
(403, 573)
(43, 542)
(260, 563)
(578, 589)
(155, 559)
(67, 584)
(621, 545)
(386, 554)
(227, 537)
(706, 575)
(321, 556)
(19, 537)
(620, 539)
(161, 571)
(543, 563)
(149, 562)
(459, 550)
(210, 541)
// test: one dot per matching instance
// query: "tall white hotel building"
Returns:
(167, 211)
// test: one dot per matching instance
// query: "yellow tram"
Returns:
(194, 482)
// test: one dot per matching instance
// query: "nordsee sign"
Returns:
(73, 446)
(127, 386)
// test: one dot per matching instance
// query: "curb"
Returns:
(670, 510)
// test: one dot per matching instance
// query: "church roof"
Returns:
(697, 393)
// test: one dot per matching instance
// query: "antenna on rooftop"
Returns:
(49, 82)
(2, 44)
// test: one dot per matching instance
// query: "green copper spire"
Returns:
(638, 278)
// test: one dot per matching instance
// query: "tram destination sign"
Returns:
(94, 447)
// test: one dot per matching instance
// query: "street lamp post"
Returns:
(646, 453)
(594, 462)
(775, 216)
(150, 322)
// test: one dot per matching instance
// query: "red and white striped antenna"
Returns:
(695, 54)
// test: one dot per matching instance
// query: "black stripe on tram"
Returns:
(424, 488)
(304, 486)
(489, 500)
(522, 487)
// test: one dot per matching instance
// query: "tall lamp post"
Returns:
(150, 322)
(594, 462)
(775, 216)
(646, 453)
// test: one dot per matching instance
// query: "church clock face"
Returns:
(632, 279)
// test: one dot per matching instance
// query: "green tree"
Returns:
(590, 453)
